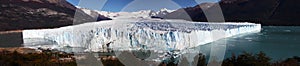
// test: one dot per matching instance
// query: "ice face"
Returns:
(148, 34)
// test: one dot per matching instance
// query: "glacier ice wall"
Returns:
(136, 34)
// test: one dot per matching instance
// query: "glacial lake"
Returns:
(278, 42)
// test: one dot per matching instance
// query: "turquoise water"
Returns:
(278, 42)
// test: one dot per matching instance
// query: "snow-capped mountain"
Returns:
(162, 12)
(93, 14)
(143, 14)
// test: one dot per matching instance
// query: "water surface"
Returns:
(278, 42)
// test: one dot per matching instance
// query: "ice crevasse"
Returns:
(132, 34)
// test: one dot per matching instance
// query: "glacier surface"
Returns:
(130, 34)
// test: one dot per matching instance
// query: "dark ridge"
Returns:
(266, 12)
(38, 14)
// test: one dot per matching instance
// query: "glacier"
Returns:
(131, 34)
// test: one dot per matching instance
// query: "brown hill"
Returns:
(266, 12)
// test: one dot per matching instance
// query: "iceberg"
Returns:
(131, 34)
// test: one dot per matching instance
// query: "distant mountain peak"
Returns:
(142, 14)
(165, 9)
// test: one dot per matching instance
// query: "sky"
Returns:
(135, 5)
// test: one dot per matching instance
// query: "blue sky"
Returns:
(135, 5)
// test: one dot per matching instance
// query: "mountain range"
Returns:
(265, 12)
(142, 14)
(37, 14)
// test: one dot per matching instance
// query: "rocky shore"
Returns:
(34, 57)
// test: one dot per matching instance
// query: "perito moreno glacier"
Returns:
(131, 34)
